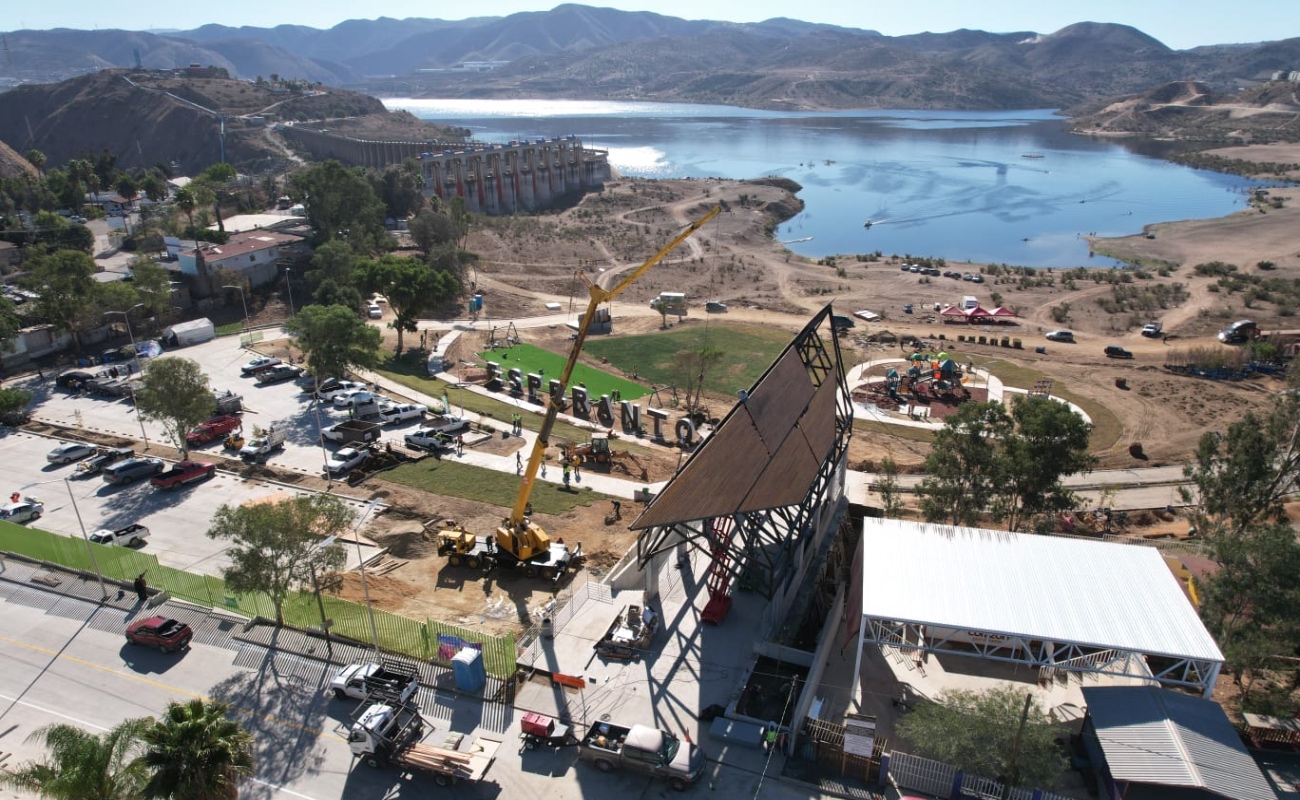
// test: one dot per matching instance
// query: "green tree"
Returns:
(152, 284)
(1243, 478)
(431, 228)
(128, 187)
(1050, 441)
(84, 766)
(37, 159)
(334, 339)
(275, 546)
(10, 324)
(341, 206)
(411, 287)
(68, 291)
(187, 202)
(891, 497)
(174, 391)
(977, 731)
(196, 752)
(14, 401)
(963, 467)
(463, 219)
(154, 186)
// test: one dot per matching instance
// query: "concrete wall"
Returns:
(492, 179)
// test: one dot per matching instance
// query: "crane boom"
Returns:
(596, 296)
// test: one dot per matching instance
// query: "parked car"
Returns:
(168, 635)
(24, 509)
(907, 308)
(73, 380)
(1152, 329)
(344, 460)
(373, 311)
(277, 374)
(357, 397)
(132, 470)
(392, 413)
(184, 472)
(1060, 336)
(1115, 351)
(333, 387)
(68, 452)
(259, 363)
(714, 307)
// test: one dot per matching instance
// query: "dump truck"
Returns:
(214, 429)
(640, 748)
(386, 734)
(353, 431)
(377, 680)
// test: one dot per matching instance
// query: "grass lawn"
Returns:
(453, 479)
(409, 371)
(900, 431)
(1106, 427)
(747, 350)
(530, 358)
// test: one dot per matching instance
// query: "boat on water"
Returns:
(1031, 155)
(867, 224)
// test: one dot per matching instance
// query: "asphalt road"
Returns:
(67, 662)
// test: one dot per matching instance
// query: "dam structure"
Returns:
(522, 175)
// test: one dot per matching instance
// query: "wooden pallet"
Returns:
(384, 565)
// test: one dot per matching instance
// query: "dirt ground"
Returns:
(528, 262)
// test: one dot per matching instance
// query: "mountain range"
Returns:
(581, 52)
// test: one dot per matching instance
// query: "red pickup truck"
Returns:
(213, 429)
(183, 473)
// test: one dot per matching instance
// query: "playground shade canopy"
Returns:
(1045, 588)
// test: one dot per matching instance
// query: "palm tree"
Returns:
(186, 202)
(196, 752)
(85, 766)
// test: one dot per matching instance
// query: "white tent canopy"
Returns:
(1047, 601)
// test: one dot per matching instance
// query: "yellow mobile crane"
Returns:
(520, 542)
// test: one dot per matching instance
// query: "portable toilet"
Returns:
(468, 670)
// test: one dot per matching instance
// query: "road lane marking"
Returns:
(166, 687)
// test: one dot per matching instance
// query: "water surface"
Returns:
(994, 186)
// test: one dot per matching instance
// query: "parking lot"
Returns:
(284, 404)
(178, 520)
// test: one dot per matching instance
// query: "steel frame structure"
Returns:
(758, 552)
(1050, 657)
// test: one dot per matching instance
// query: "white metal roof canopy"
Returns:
(1040, 600)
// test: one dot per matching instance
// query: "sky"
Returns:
(1180, 24)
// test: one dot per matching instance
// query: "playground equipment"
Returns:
(520, 542)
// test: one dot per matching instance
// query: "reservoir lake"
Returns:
(1009, 187)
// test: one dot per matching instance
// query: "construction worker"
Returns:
(567, 469)
(141, 588)
(519, 463)
(577, 472)
(460, 444)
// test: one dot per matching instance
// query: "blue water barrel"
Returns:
(468, 670)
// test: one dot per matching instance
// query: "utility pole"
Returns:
(1015, 749)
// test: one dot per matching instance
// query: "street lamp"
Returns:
(315, 585)
(242, 302)
(320, 435)
(135, 356)
(90, 551)
(361, 565)
(126, 317)
(288, 284)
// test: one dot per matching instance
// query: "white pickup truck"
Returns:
(388, 681)
(263, 443)
(130, 536)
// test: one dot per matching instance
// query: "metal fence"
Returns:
(397, 634)
(944, 780)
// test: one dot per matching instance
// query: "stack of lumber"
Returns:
(439, 759)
